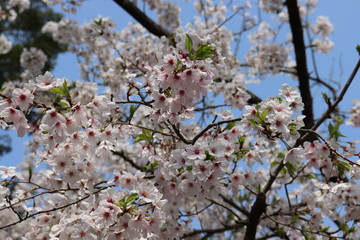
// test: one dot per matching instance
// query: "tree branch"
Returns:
(257, 210)
(233, 204)
(338, 100)
(159, 31)
(143, 19)
(53, 209)
(214, 231)
(128, 160)
(301, 64)
(274, 175)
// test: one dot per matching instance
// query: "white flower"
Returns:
(323, 27)
(5, 44)
(21, 5)
(23, 98)
(34, 60)
(323, 46)
(4, 191)
(294, 155)
(7, 172)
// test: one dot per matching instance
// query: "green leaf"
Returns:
(131, 198)
(132, 111)
(66, 89)
(145, 135)
(334, 130)
(342, 167)
(283, 171)
(264, 113)
(252, 122)
(292, 126)
(280, 232)
(203, 52)
(30, 171)
(241, 139)
(188, 43)
(324, 229)
(274, 163)
(209, 156)
(151, 167)
(308, 176)
(344, 227)
(294, 219)
(230, 125)
(291, 168)
(358, 49)
(63, 104)
(325, 97)
(57, 90)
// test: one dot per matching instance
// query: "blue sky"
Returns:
(340, 61)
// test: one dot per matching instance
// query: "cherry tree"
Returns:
(140, 148)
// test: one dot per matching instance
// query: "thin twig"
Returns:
(330, 147)
(214, 231)
(299, 229)
(223, 206)
(54, 209)
(128, 160)
(339, 98)
(226, 20)
(234, 205)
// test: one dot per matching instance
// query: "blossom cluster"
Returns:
(138, 150)
(355, 114)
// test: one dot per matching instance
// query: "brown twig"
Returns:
(339, 98)
(214, 231)
(53, 209)
(128, 160)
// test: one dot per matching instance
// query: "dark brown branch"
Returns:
(234, 205)
(301, 229)
(128, 160)
(258, 208)
(331, 148)
(211, 125)
(274, 175)
(301, 64)
(223, 206)
(199, 135)
(338, 100)
(209, 107)
(253, 99)
(214, 231)
(315, 79)
(159, 31)
(143, 19)
(146, 103)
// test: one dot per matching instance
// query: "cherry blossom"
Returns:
(162, 138)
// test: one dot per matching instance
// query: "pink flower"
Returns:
(51, 117)
(6, 172)
(23, 98)
(11, 114)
